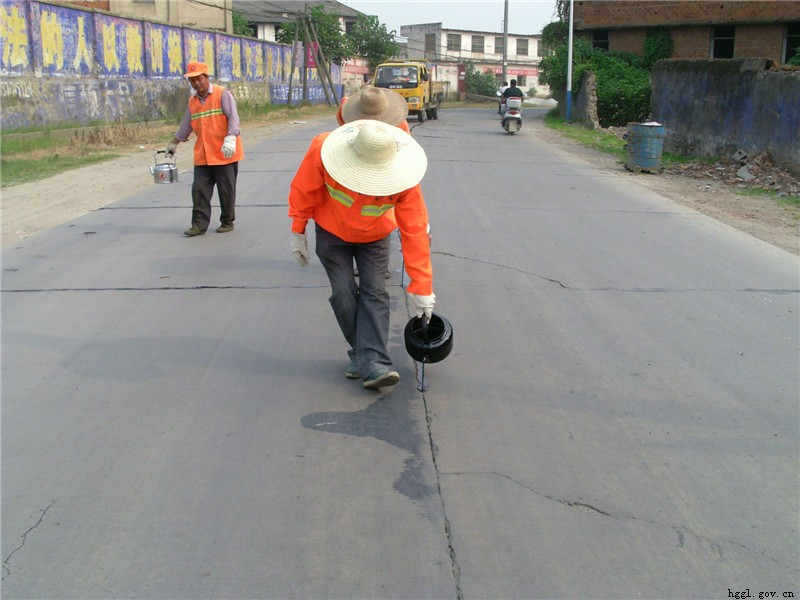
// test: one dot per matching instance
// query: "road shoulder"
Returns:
(760, 217)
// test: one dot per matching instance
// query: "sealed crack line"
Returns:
(24, 536)
(171, 206)
(174, 288)
(455, 567)
(448, 528)
(631, 290)
(680, 530)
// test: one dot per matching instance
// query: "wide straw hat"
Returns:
(193, 69)
(373, 158)
(375, 103)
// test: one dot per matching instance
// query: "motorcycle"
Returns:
(512, 116)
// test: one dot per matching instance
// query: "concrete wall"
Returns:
(713, 108)
(584, 102)
(68, 65)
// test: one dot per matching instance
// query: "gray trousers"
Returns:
(362, 310)
(205, 177)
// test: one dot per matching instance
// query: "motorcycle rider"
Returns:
(502, 89)
(513, 91)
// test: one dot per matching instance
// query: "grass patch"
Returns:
(599, 140)
(611, 144)
(761, 192)
(36, 153)
(22, 170)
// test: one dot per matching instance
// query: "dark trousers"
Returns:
(205, 177)
(362, 310)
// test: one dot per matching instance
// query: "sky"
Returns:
(524, 17)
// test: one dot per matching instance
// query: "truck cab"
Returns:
(413, 81)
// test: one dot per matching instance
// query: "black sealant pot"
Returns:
(429, 342)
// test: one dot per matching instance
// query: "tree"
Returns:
(333, 43)
(370, 39)
(795, 60)
(554, 34)
(484, 84)
(240, 24)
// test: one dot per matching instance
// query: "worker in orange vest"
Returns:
(374, 103)
(358, 183)
(212, 116)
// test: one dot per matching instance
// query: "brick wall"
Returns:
(627, 40)
(759, 40)
(691, 42)
(602, 14)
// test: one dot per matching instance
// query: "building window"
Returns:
(792, 41)
(722, 42)
(477, 44)
(600, 39)
(454, 41)
(430, 44)
(520, 80)
(522, 47)
(499, 46)
(348, 27)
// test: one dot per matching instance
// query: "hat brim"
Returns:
(396, 108)
(191, 74)
(346, 167)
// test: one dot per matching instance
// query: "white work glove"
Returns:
(171, 147)
(423, 305)
(299, 247)
(229, 146)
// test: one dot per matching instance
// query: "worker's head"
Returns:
(514, 82)
(197, 74)
(373, 158)
(375, 103)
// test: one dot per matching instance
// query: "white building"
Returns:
(433, 43)
(267, 17)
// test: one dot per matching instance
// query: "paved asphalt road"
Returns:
(619, 416)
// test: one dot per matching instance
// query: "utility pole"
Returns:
(305, 58)
(505, 40)
(569, 66)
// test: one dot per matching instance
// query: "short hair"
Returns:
(513, 82)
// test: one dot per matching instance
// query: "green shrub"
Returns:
(657, 45)
(623, 84)
(484, 84)
(795, 60)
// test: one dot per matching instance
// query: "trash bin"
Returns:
(645, 144)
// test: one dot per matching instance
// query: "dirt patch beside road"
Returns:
(28, 208)
(760, 216)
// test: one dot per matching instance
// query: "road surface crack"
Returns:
(6, 568)
(502, 266)
(633, 290)
(681, 531)
(455, 567)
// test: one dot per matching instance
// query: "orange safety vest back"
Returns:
(210, 125)
(359, 218)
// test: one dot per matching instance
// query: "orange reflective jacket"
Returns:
(339, 119)
(210, 125)
(359, 218)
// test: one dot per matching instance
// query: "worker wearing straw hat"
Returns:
(358, 183)
(374, 103)
(213, 117)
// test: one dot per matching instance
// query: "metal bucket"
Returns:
(165, 170)
(645, 144)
